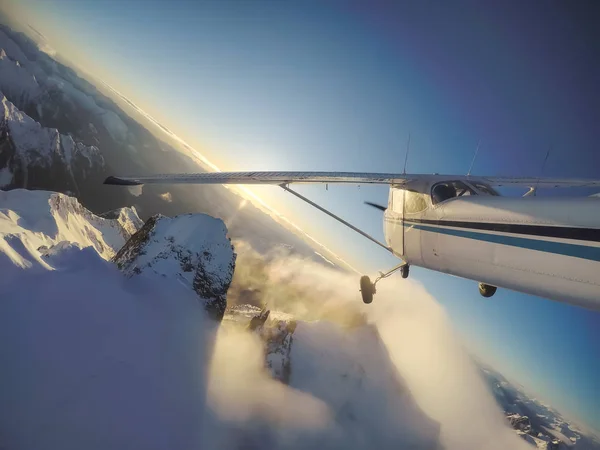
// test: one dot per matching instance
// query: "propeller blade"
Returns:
(375, 205)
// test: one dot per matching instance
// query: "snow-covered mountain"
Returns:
(91, 359)
(16, 81)
(193, 249)
(30, 153)
(33, 222)
(535, 421)
(95, 356)
(39, 85)
(57, 131)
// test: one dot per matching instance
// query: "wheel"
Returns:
(367, 289)
(487, 290)
(404, 271)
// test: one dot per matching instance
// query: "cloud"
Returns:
(136, 191)
(167, 197)
(441, 375)
(241, 390)
(418, 336)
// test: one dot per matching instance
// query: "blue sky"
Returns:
(315, 85)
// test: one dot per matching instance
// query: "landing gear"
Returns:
(487, 290)
(404, 271)
(367, 289)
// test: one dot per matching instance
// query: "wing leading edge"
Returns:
(279, 178)
(261, 178)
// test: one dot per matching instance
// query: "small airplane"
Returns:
(460, 225)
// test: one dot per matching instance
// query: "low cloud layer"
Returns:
(415, 330)
(241, 390)
(135, 361)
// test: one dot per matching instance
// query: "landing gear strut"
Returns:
(487, 290)
(367, 289)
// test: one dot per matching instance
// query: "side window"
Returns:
(415, 202)
(449, 189)
(485, 189)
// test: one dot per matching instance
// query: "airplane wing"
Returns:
(262, 178)
(279, 178)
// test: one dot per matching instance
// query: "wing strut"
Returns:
(339, 219)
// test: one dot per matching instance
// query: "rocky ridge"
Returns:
(192, 248)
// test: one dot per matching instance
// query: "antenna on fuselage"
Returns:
(406, 155)
(474, 157)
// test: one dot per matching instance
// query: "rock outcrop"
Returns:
(193, 248)
(277, 334)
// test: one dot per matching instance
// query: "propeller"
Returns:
(375, 205)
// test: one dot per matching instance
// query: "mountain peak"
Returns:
(192, 248)
(28, 147)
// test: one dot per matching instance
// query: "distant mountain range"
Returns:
(61, 133)
(545, 423)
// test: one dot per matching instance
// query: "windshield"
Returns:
(415, 202)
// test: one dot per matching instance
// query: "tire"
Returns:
(404, 271)
(366, 289)
(487, 290)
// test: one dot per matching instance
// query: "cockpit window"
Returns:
(449, 189)
(485, 189)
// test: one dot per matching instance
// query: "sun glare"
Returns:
(242, 191)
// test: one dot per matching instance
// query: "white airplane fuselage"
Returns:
(544, 246)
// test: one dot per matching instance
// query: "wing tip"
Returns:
(115, 181)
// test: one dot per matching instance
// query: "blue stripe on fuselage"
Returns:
(559, 248)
